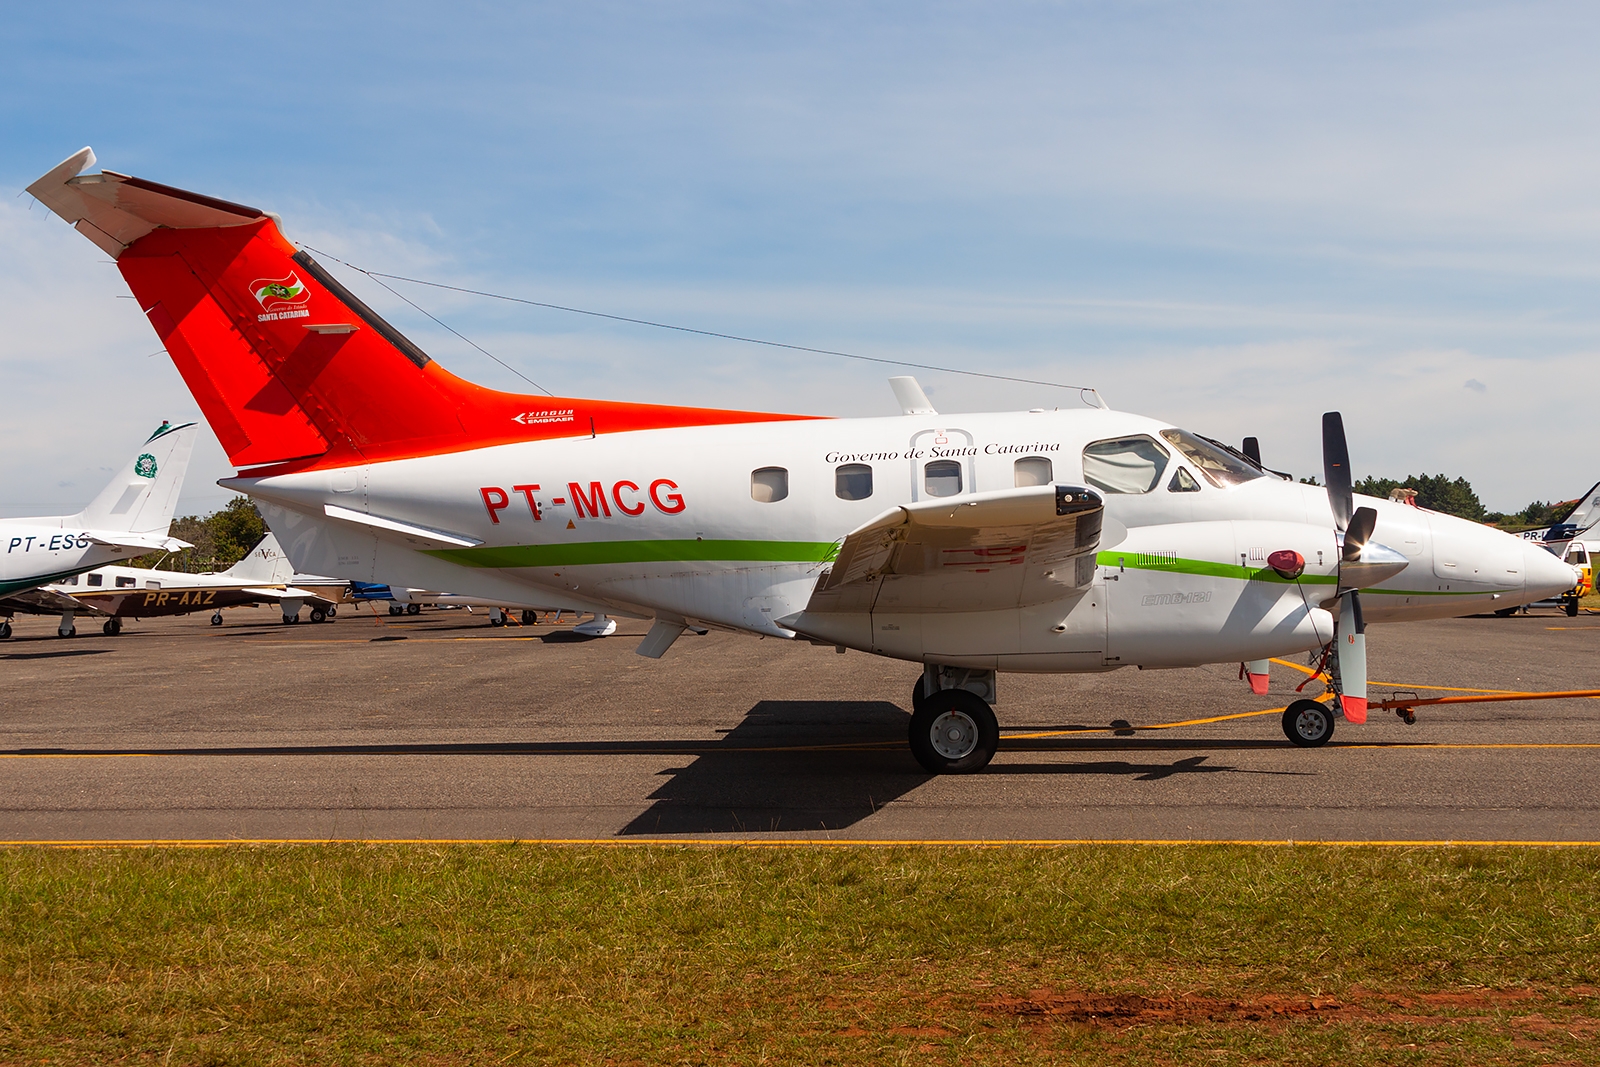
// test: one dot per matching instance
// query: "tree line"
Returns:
(220, 539)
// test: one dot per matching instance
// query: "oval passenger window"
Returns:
(769, 484)
(1033, 470)
(942, 477)
(853, 481)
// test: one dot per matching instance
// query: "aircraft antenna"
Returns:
(376, 275)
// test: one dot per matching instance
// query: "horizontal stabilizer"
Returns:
(406, 533)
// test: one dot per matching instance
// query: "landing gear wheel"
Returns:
(397, 609)
(73, 632)
(216, 619)
(1505, 613)
(413, 609)
(1571, 604)
(112, 627)
(495, 620)
(1308, 723)
(290, 620)
(917, 697)
(530, 618)
(318, 615)
(954, 732)
(5, 629)
(333, 609)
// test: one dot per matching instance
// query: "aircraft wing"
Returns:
(139, 542)
(979, 552)
(44, 601)
(278, 593)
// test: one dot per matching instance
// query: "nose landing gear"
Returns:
(1308, 723)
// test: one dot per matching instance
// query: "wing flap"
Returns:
(977, 553)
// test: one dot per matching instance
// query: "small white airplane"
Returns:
(971, 544)
(131, 516)
(264, 576)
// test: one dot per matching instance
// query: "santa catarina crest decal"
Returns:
(281, 298)
(145, 466)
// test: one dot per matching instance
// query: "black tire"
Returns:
(67, 633)
(917, 697)
(318, 615)
(413, 609)
(111, 627)
(1506, 613)
(954, 732)
(494, 621)
(5, 629)
(216, 618)
(1571, 604)
(530, 618)
(1308, 723)
(290, 620)
(333, 609)
(397, 609)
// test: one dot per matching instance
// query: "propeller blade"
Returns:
(1357, 534)
(1336, 469)
(1252, 448)
(1351, 642)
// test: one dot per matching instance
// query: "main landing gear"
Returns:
(5, 629)
(953, 728)
(112, 627)
(1308, 723)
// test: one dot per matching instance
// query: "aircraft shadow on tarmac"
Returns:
(826, 765)
(62, 653)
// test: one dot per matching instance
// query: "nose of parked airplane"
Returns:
(1545, 576)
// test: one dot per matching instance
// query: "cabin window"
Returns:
(1576, 554)
(1221, 467)
(152, 585)
(768, 485)
(96, 579)
(942, 477)
(853, 481)
(1182, 482)
(1033, 470)
(71, 579)
(1124, 464)
(124, 582)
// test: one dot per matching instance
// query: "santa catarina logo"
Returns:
(281, 298)
(145, 466)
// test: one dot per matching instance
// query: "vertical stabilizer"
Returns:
(265, 564)
(144, 494)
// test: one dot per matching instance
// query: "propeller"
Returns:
(1362, 562)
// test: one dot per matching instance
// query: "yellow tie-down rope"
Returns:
(1400, 705)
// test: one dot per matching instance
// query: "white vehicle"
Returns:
(970, 544)
(131, 516)
(264, 576)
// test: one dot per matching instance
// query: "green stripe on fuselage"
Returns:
(677, 551)
(1142, 561)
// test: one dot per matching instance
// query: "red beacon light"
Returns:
(1288, 563)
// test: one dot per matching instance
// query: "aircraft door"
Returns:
(942, 464)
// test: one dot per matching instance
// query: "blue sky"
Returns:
(1233, 216)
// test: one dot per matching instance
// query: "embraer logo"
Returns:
(281, 298)
(1164, 599)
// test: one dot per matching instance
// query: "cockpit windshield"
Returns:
(1220, 467)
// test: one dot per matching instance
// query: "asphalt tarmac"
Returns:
(441, 727)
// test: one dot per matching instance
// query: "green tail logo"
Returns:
(145, 466)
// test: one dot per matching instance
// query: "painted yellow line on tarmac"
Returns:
(679, 842)
(1153, 726)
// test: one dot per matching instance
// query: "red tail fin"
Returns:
(286, 363)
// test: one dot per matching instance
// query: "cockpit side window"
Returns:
(1124, 464)
(1182, 482)
(1219, 467)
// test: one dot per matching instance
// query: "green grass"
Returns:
(367, 954)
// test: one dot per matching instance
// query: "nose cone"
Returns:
(1545, 576)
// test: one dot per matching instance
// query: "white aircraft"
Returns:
(131, 516)
(971, 544)
(264, 576)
